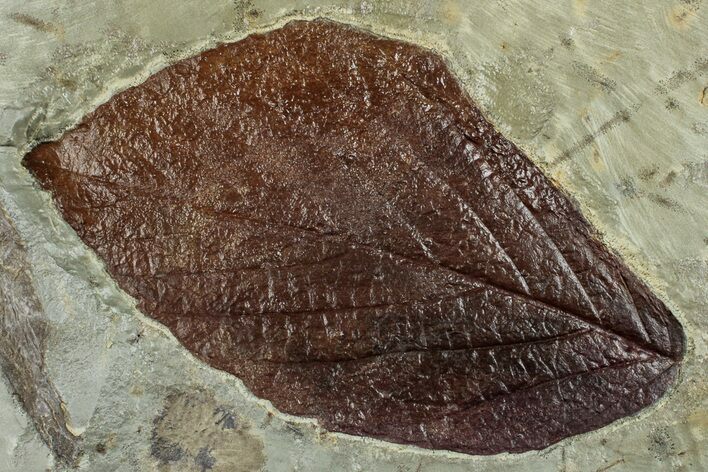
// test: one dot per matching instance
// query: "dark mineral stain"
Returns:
(648, 173)
(254, 13)
(683, 76)
(627, 188)
(594, 77)
(186, 436)
(327, 215)
(297, 432)
(665, 86)
(226, 419)
(567, 42)
(134, 339)
(166, 451)
(619, 118)
(204, 459)
(671, 104)
(665, 202)
(37, 24)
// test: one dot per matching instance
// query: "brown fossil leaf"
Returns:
(325, 214)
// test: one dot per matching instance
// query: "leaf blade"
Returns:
(343, 230)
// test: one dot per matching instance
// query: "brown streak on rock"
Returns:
(39, 25)
(23, 330)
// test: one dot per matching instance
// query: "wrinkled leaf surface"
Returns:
(325, 214)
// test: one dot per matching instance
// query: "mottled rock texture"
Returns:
(325, 214)
(23, 332)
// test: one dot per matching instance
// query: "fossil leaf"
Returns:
(325, 214)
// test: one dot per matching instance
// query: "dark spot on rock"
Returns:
(204, 459)
(267, 420)
(665, 202)
(295, 430)
(100, 448)
(37, 24)
(254, 13)
(227, 419)
(648, 173)
(28, 21)
(135, 338)
(671, 104)
(186, 428)
(627, 187)
(622, 116)
(166, 451)
(594, 77)
(680, 77)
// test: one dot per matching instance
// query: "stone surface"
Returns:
(23, 334)
(614, 110)
(324, 214)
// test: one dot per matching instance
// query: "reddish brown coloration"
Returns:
(325, 214)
